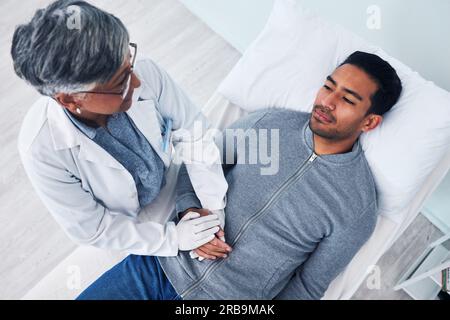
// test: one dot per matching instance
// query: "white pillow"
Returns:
(288, 63)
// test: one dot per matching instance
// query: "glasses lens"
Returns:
(127, 87)
(133, 50)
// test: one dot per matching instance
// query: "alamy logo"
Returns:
(374, 19)
(74, 20)
(72, 14)
(252, 147)
(74, 278)
(373, 281)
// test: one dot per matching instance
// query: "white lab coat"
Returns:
(91, 195)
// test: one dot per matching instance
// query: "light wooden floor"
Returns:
(31, 244)
(397, 259)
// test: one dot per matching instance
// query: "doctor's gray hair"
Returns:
(56, 57)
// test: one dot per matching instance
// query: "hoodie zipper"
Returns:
(297, 175)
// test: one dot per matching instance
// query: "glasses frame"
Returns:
(126, 83)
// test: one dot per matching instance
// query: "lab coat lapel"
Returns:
(145, 117)
(91, 151)
(66, 136)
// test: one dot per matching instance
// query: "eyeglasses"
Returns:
(125, 85)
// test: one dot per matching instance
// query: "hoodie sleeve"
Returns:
(331, 256)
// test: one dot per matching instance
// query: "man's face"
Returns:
(342, 103)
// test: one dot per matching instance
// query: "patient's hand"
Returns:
(214, 249)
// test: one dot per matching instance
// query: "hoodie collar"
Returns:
(340, 158)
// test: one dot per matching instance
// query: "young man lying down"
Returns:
(291, 232)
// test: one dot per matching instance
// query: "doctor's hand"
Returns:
(214, 249)
(217, 247)
(194, 231)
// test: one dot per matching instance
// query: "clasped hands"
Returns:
(209, 240)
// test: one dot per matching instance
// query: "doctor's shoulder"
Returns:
(38, 143)
(34, 125)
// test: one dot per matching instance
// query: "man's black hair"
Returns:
(385, 76)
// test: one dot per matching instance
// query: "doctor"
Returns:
(100, 146)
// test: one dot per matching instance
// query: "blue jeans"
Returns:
(135, 278)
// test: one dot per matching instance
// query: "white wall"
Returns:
(416, 32)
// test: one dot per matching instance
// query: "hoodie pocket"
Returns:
(278, 280)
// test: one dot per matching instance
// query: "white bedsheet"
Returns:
(89, 263)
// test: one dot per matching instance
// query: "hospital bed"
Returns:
(85, 264)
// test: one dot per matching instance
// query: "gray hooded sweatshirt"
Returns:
(292, 232)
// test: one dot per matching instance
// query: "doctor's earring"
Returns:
(78, 111)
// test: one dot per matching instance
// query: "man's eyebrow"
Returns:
(329, 78)
(357, 96)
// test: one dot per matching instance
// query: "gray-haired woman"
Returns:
(98, 146)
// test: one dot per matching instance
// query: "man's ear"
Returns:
(371, 122)
(67, 101)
